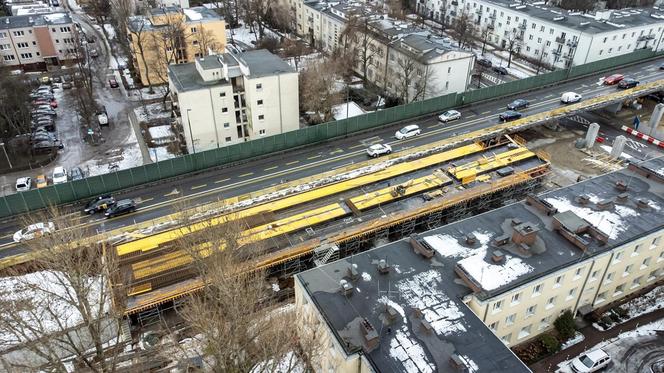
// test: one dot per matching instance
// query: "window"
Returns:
(609, 277)
(259, 86)
(550, 31)
(193, 30)
(494, 326)
(259, 102)
(545, 322)
(497, 306)
(537, 290)
(548, 43)
(593, 276)
(34, 43)
(224, 110)
(610, 50)
(578, 272)
(661, 256)
(22, 45)
(619, 290)
(506, 338)
(628, 269)
(228, 139)
(539, 40)
(559, 281)
(655, 242)
(614, 37)
(530, 311)
(261, 132)
(601, 51)
(617, 257)
(261, 117)
(222, 94)
(533, 26)
(551, 303)
(530, 37)
(604, 40)
(5, 47)
(194, 42)
(624, 35)
(652, 275)
(542, 29)
(637, 250)
(637, 282)
(509, 320)
(26, 55)
(601, 297)
(10, 57)
(3, 35)
(527, 49)
(65, 29)
(449, 70)
(516, 298)
(571, 294)
(227, 125)
(525, 331)
(19, 33)
(645, 263)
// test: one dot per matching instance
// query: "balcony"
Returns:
(492, 16)
(555, 52)
(572, 43)
(490, 26)
(523, 26)
(479, 12)
(560, 40)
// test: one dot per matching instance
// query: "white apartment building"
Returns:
(176, 3)
(556, 36)
(228, 98)
(35, 42)
(516, 269)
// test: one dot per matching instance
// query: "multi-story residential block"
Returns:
(177, 3)
(228, 98)
(173, 35)
(552, 35)
(517, 268)
(36, 42)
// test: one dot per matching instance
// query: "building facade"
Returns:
(36, 42)
(173, 35)
(228, 98)
(552, 35)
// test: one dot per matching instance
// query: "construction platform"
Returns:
(342, 217)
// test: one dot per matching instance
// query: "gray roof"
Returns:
(34, 20)
(388, 302)
(195, 14)
(585, 23)
(261, 63)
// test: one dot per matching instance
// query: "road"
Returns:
(215, 184)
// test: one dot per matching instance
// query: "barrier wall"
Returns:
(95, 185)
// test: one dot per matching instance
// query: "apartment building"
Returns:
(35, 42)
(226, 98)
(170, 35)
(552, 35)
(514, 269)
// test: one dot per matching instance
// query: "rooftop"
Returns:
(34, 20)
(602, 21)
(196, 15)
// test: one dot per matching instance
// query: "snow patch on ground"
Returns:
(160, 153)
(578, 337)
(151, 111)
(366, 276)
(343, 111)
(646, 303)
(116, 159)
(110, 31)
(158, 132)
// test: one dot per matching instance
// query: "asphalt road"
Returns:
(159, 200)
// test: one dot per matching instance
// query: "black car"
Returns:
(500, 70)
(484, 62)
(509, 115)
(658, 97)
(121, 207)
(661, 67)
(76, 174)
(518, 104)
(628, 83)
(100, 203)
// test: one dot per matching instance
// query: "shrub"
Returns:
(622, 312)
(550, 343)
(615, 317)
(565, 325)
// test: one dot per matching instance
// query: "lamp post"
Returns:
(4, 150)
(191, 135)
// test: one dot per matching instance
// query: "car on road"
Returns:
(661, 67)
(517, 104)
(628, 83)
(570, 97)
(67, 85)
(101, 203)
(590, 361)
(121, 207)
(509, 115)
(23, 184)
(613, 79)
(41, 181)
(408, 131)
(33, 231)
(500, 70)
(449, 115)
(113, 83)
(76, 174)
(376, 150)
(59, 175)
(484, 62)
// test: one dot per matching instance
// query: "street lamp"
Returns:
(6, 156)
(191, 135)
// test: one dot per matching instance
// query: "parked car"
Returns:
(484, 62)
(408, 131)
(591, 361)
(102, 118)
(517, 104)
(94, 53)
(45, 80)
(41, 181)
(67, 85)
(90, 39)
(570, 98)
(59, 175)
(33, 231)
(23, 184)
(57, 79)
(509, 115)
(42, 136)
(628, 83)
(121, 207)
(76, 174)
(376, 150)
(613, 79)
(500, 70)
(101, 203)
(449, 115)
(36, 112)
(113, 83)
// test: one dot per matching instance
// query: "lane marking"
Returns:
(221, 181)
(314, 157)
(356, 146)
(337, 151)
(471, 116)
(143, 200)
(486, 112)
(270, 168)
(198, 186)
(293, 162)
(247, 174)
(433, 126)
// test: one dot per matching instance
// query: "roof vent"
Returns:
(501, 240)
(421, 247)
(541, 205)
(642, 204)
(498, 257)
(516, 221)
(383, 267)
(391, 313)
(622, 197)
(471, 239)
(353, 273)
(346, 287)
(621, 185)
(605, 204)
(583, 199)
(525, 233)
(369, 333)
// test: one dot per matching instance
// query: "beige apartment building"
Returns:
(171, 35)
(36, 42)
(509, 272)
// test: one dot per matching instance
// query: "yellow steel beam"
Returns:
(472, 169)
(385, 195)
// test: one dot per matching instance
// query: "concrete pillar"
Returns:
(655, 118)
(614, 108)
(591, 135)
(618, 146)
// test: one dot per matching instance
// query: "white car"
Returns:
(570, 97)
(33, 231)
(59, 175)
(591, 361)
(449, 115)
(408, 131)
(23, 184)
(377, 150)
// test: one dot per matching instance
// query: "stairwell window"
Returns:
(619, 290)
(497, 306)
(558, 282)
(537, 290)
(551, 303)
(509, 320)
(645, 263)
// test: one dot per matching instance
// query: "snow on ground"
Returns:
(160, 153)
(609, 222)
(144, 93)
(578, 338)
(126, 157)
(158, 132)
(647, 303)
(110, 31)
(48, 301)
(151, 111)
(499, 58)
(289, 363)
(117, 61)
(305, 60)
(349, 110)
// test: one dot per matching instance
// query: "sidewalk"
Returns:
(593, 337)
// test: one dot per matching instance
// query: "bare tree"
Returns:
(84, 79)
(122, 10)
(99, 9)
(318, 93)
(485, 35)
(442, 15)
(169, 46)
(140, 39)
(63, 312)
(14, 104)
(207, 42)
(463, 28)
(412, 80)
(513, 42)
(358, 36)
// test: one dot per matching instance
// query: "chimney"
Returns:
(353, 273)
(369, 333)
(421, 247)
(540, 204)
(605, 204)
(621, 185)
(498, 257)
(346, 288)
(471, 239)
(383, 267)
(516, 221)
(525, 233)
(501, 240)
(391, 313)
(583, 200)
(642, 204)
(457, 363)
(622, 197)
